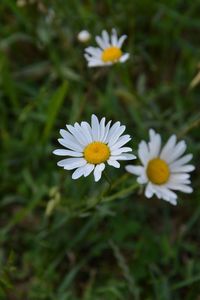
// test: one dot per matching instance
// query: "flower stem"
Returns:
(107, 178)
(121, 194)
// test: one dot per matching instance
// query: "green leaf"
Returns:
(55, 105)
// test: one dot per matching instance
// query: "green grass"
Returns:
(56, 241)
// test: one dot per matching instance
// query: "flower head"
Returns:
(108, 52)
(163, 170)
(89, 147)
(83, 36)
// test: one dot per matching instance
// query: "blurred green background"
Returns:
(55, 242)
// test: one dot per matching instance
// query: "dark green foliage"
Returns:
(56, 241)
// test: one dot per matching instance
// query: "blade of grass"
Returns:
(55, 105)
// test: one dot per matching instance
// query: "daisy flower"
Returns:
(83, 36)
(89, 147)
(108, 52)
(163, 170)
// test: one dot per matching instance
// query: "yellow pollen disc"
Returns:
(96, 153)
(158, 171)
(111, 54)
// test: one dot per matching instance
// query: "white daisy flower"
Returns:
(83, 36)
(163, 170)
(91, 146)
(108, 52)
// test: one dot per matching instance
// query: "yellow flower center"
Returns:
(111, 54)
(158, 171)
(96, 153)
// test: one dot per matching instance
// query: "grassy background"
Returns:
(55, 242)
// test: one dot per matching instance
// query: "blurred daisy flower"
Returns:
(83, 36)
(89, 147)
(163, 170)
(108, 52)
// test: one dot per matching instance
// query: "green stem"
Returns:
(107, 178)
(120, 180)
(102, 198)
(121, 193)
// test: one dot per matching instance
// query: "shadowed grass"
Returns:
(64, 239)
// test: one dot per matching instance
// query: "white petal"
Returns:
(98, 171)
(178, 150)
(143, 153)
(95, 128)
(139, 171)
(186, 181)
(87, 56)
(149, 191)
(93, 60)
(161, 192)
(152, 133)
(173, 201)
(168, 148)
(94, 51)
(88, 129)
(167, 194)
(75, 130)
(96, 64)
(121, 150)
(142, 179)
(136, 170)
(182, 161)
(112, 130)
(102, 129)
(156, 191)
(119, 157)
(83, 171)
(63, 152)
(114, 39)
(182, 169)
(88, 169)
(83, 134)
(121, 40)
(68, 136)
(78, 173)
(105, 38)
(121, 141)
(154, 144)
(180, 187)
(106, 132)
(113, 163)
(101, 42)
(68, 144)
(124, 57)
(126, 156)
(179, 177)
(71, 163)
(116, 134)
